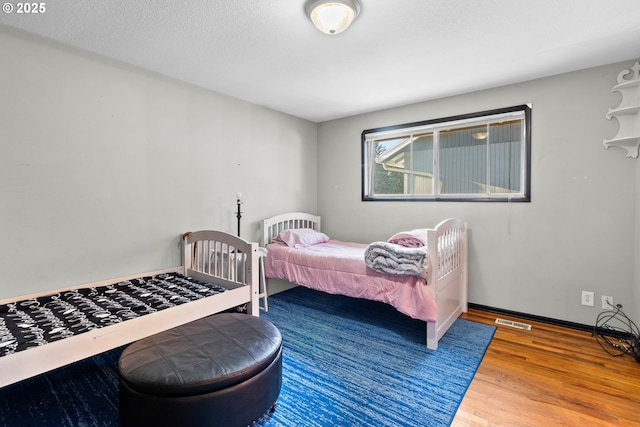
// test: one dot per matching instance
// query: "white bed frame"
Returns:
(205, 257)
(448, 276)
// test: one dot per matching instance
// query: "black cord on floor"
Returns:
(617, 334)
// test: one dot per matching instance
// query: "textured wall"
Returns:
(103, 165)
(576, 234)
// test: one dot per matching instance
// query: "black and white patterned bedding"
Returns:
(38, 321)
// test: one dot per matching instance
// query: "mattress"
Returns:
(38, 321)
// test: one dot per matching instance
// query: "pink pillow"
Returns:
(409, 239)
(301, 237)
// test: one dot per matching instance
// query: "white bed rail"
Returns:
(450, 235)
(449, 275)
(230, 260)
(271, 227)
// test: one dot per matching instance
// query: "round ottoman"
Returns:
(223, 370)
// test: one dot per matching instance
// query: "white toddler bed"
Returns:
(339, 267)
(44, 331)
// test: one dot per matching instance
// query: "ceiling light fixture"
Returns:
(332, 16)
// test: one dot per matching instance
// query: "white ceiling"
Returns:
(397, 52)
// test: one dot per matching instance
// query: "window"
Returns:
(476, 157)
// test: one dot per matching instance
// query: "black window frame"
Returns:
(526, 190)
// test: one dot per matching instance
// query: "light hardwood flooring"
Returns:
(549, 376)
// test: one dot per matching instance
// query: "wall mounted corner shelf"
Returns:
(627, 113)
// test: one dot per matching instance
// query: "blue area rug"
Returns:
(347, 362)
(84, 394)
(350, 362)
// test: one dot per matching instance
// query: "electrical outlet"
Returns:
(587, 298)
(607, 302)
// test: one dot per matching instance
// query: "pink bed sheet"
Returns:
(338, 267)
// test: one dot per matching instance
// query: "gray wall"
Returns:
(103, 166)
(576, 234)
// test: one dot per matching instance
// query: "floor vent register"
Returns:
(518, 325)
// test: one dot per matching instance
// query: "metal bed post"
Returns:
(238, 214)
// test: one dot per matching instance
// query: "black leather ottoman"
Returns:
(223, 370)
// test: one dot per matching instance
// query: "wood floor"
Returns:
(549, 376)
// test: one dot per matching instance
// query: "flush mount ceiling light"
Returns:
(332, 16)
